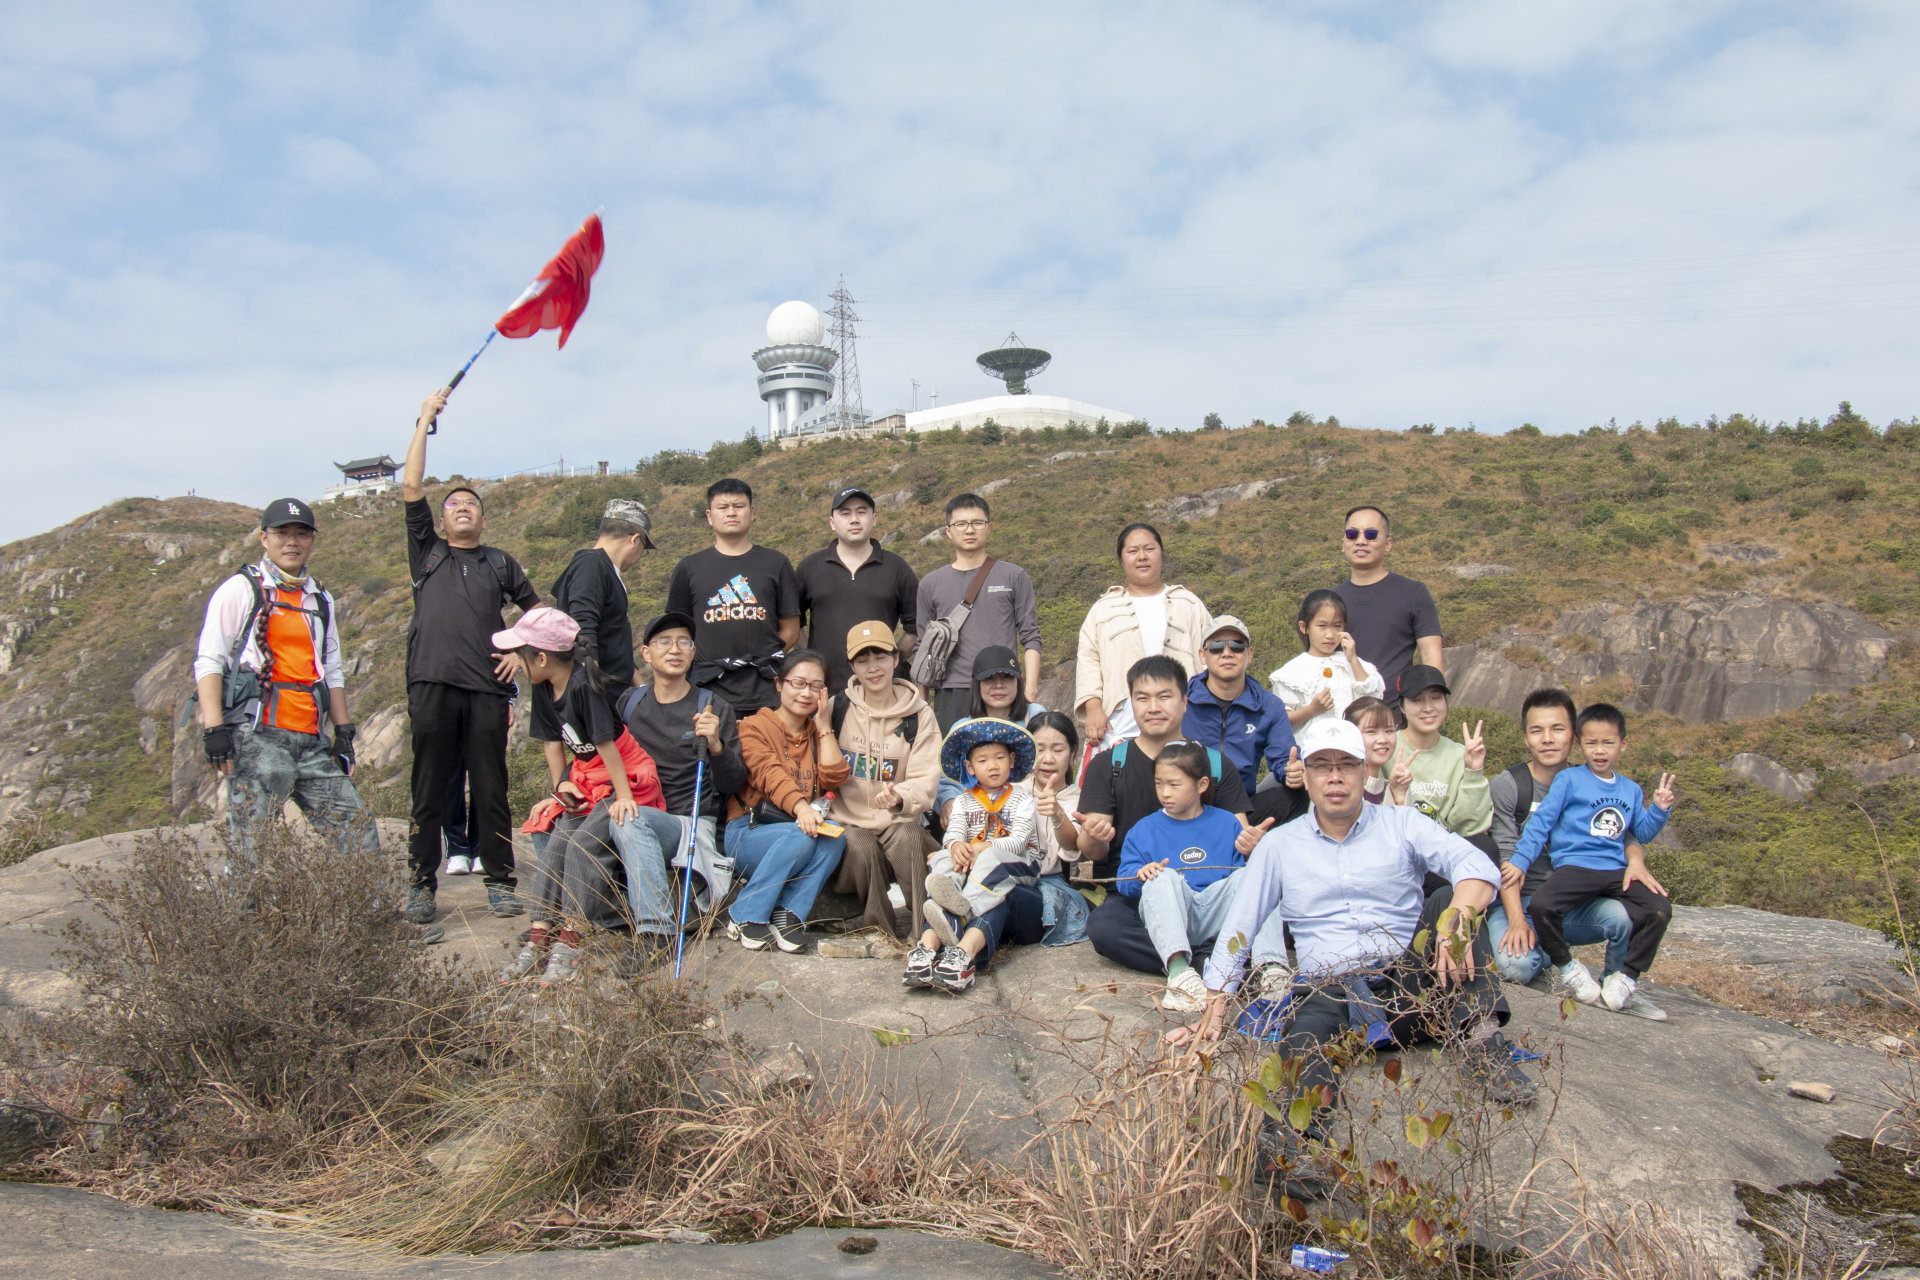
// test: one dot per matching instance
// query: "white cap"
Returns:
(1329, 734)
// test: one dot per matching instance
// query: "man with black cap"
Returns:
(590, 591)
(459, 691)
(853, 580)
(268, 679)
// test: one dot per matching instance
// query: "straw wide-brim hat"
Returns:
(968, 734)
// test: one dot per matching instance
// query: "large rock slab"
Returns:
(1823, 962)
(1706, 659)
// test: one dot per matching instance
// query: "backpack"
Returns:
(702, 699)
(1120, 762)
(1523, 806)
(239, 687)
(938, 639)
(909, 729)
(442, 552)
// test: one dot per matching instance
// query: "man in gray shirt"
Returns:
(1003, 614)
(1346, 879)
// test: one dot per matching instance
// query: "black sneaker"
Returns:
(789, 930)
(420, 908)
(752, 936)
(953, 971)
(919, 971)
(1490, 1065)
(1287, 1162)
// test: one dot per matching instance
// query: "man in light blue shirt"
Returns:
(1347, 879)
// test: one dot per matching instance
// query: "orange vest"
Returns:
(291, 644)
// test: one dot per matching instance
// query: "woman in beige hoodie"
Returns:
(892, 744)
(1141, 616)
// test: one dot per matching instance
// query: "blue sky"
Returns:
(238, 242)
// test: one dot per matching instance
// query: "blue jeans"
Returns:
(1016, 920)
(646, 846)
(1597, 920)
(783, 867)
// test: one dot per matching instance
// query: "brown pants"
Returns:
(876, 859)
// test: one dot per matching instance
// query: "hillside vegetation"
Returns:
(1609, 515)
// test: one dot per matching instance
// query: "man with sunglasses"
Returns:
(459, 691)
(1392, 619)
(1242, 719)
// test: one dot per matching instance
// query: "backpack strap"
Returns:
(702, 699)
(1213, 763)
(1523, 800)
(261, 603)
(841, 705)
(496, 560)
(1119, 762)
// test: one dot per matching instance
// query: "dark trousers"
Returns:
(1016, 921)
(1282, 803)
(1117, 932)
(1319, 1012)
(1568, 887)
(449, 725)
(950, 705)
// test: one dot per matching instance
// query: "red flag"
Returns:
(558, 295)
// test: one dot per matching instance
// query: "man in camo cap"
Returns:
(590, 591)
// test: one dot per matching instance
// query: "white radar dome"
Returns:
(794, 324)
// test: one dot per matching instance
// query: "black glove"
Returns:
(219, 744)
(343, 747)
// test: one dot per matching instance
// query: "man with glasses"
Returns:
(267, 676)
(744, 600)
(1392, 619)
(1243, 720)
(1004, 611)
(1347, 881)
(459, 692)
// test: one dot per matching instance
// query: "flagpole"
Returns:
(433, 428)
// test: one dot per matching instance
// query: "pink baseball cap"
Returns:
(542, 627)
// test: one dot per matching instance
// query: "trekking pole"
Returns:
(693, 842)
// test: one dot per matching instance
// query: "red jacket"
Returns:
(591, 776)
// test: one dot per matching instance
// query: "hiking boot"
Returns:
(563, 962)
(945, 890)
(789, 930)
(750, 934)
(531, 960)
(1616, 991)
(502, 901)
(420, 908)
(953, 970)
(1186, 993)
(648, 950)
(1490, 1064)
(919, 971)
(1286, 1160)
(941, 923)
(459, 865)
(1576, 980)
(1638, 1006)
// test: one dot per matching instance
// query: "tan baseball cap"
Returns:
(870, 635)
(1227, 622)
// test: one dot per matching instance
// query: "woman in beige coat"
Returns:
(1142, 615)
(892, 743)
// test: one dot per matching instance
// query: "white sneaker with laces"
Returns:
(1271, 979)
(1186, 993)
(1638, 1006)
(1617, 990)
(1577, 981)
(458, 865)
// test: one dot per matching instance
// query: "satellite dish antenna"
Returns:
(1013, 364)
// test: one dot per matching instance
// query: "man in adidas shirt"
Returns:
(267, 674)
(744, 600)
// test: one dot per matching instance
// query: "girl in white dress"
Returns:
(1329, 675)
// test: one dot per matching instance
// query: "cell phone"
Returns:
(827, 828)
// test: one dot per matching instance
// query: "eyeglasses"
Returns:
(967, 526)
(1343, 765)
(1227, 646)
(291, 533)
(805, 686)
(1371, 535)
(671, 642)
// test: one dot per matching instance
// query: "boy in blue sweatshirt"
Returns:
(1589, 816)
(1181, 862)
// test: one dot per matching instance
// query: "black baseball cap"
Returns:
(841, 498)
(665, 622)
(287, 511)
(1419, 678)
(995, 660)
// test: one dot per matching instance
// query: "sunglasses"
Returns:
(1226, 646)
(1371, 535)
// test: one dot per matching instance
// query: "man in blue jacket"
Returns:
(1243, 720)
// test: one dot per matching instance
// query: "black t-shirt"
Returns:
(581, 717)
(589, 591)
(1134, 797)
(1385, 618)
(736, 603)
(666, 734)
(835, 601)
(457, 609)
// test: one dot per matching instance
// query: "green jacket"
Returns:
(1445, 789)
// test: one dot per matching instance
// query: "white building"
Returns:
(796, 378)
(1014, 413)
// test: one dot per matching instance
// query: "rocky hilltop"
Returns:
(1749, 593)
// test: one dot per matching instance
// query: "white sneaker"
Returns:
(1271, 979)
(1617, 990)
(1186, 993)
(459, 866)
(1638, 1006)
(1577, 981)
